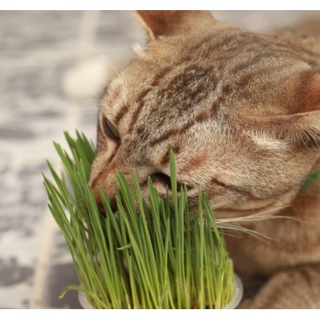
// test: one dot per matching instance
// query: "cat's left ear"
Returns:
(159, 23)
(302, 123)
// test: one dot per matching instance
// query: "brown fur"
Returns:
(241, 112)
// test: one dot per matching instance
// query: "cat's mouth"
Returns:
(164, 180)
(160, 180)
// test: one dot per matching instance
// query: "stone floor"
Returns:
(54, 65)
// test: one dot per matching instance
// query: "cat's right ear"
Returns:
(159, 23)
(301, 123)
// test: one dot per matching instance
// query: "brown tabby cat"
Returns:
(241, 112)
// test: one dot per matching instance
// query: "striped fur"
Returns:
(241, 112)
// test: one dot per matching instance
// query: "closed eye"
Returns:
(234, 188)
(110, 130)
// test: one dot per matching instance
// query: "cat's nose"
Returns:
(106, 181)
(108, 189)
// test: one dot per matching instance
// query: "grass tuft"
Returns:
(148, 254)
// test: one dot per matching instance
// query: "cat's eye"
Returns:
(110, 129)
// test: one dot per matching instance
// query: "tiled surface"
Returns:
(51, 72)
(39, 52)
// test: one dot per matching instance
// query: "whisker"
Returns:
(101, 55)
(244, 230)
(89, 96)
(232, 223)
(109, 63)
(264, 215)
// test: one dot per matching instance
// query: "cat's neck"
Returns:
(310, 44)
(307, 202)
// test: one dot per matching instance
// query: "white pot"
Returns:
(238, 292)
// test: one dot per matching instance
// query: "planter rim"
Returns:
(238, 293)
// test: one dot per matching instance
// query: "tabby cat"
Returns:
(241, 111)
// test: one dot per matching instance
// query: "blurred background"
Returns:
(54, 66)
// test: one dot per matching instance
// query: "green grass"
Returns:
(148, 254)
(311, 180)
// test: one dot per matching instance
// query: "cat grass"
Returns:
(147, 254)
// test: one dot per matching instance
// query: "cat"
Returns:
(241, 111)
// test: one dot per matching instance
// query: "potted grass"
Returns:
(147, 254)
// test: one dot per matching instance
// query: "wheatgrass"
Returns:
(147, 254)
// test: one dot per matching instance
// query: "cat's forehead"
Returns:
(216, 60)
(198, 77)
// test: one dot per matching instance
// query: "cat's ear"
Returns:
(301, 124)
(159, 23)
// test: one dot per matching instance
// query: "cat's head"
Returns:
(239, 110)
